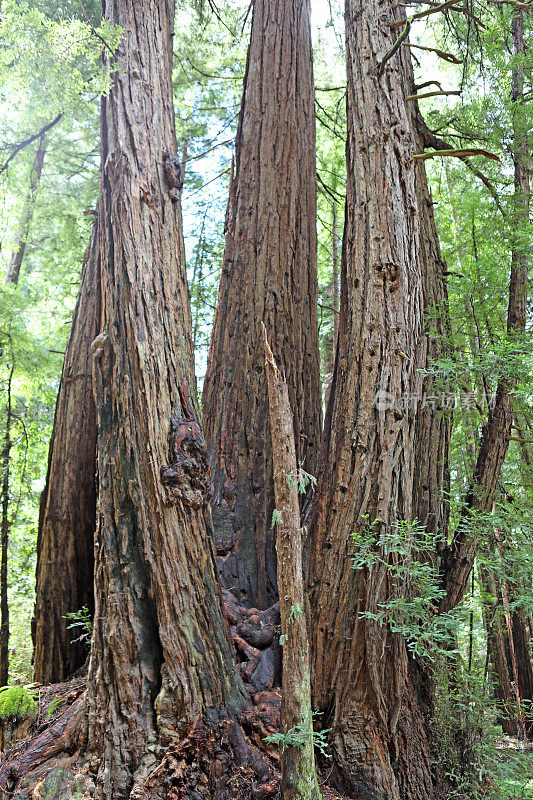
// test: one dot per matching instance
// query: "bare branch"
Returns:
(457, 153)
(421, 14)
(21, 145)
(441, 54)
(429, 94)
(395, 47)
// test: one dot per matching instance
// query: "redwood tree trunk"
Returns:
(161, 653)
(330, 339)
(67, 517)
(432, 469)
(522, 645)
(269, 275)
(497, 652)
(372, 431)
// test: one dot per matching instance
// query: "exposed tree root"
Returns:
(217, 760)
(65, 735)
(221, 759)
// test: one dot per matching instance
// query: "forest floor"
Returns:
(190, 764)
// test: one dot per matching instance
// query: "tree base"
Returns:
(217, 760)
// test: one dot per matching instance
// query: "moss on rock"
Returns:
(16, 703)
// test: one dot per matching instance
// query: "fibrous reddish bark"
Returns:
(67, 517)
(161, 654)
(522, 628)
(431, 480)
(269, 275)
(496, 650)
(373, 429)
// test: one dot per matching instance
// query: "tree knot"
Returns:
(186, 479)
(173, 173)
(98, 345)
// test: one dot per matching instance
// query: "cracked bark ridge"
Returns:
(187, 478)
(361, 670)
(269, 275)
(161, 653)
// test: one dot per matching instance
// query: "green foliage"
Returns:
(81, 622)
(298, 735)
(406, 552)
(58, 60)
(17, 703)
(296, 613)
(54, 706)
(276, 518)
(301, 481)
(467, 742)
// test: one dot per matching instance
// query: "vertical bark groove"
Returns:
(269, 275)
(161, 654)
(375, 428)
(67, 516)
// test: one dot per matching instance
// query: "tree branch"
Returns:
(421, 14)
(21, 145)
(473, 151)
(411, 97)
(441, 54)
(395, 47)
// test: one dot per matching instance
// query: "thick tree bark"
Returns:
(432, 471)
(522, 646)
(460, 555)
(67, 518)
(371, 440)
(298, 774)
(269, 274)
(15, 263)
(161, 654)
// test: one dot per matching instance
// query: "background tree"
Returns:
(268, 274)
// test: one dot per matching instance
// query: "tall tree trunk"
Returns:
(161, 654)
(269, 275)
(431, 481)
(497, 652)
(370, 445)
(298, 774)
(335, 276)
(4, 537)
(67, 517)
(522, 645)
(460, 555)
(15, 263)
